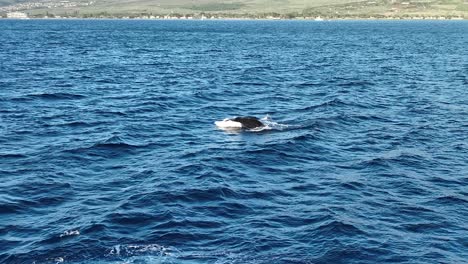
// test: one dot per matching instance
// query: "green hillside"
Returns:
(241, 8)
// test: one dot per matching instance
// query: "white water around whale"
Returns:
(228, 124)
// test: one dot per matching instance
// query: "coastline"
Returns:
(248, 19)
(334, 10)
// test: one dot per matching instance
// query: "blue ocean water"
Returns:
(109, 152)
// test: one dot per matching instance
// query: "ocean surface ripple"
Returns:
(109, 154)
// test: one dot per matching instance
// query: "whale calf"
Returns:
(240, 122)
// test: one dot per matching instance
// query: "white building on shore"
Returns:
(17, 15)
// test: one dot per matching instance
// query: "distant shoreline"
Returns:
(239, 9)
(245, 19)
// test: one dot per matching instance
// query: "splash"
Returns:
(269, 124)
(228, 124)
(132, 250)
(70, 233)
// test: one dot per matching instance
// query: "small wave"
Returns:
(415, 209)
(445, 182)
(21, 99)
(12, 155)
(64, 85)
(70, 233)
(451, 199)
(113, 144)
(136, 218)
(294, 221)
(406, 157)
(94, 228)
(355, 83)
(214, 50)
(105, 81)
(110, 113)
(422, 227)
(57, 96)
(249, 84)
(338, 227)
(189, 168)
(117, 145)
(157, 64)
(172, 224)
(133, 250)
(10, 208)
(334, 102)
(77, 124)
(201, 195)
(309, 84)
(353, 185)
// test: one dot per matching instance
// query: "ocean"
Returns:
(109, 152)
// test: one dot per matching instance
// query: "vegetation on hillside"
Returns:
(240, 8)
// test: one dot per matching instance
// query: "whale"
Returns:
(240, 122)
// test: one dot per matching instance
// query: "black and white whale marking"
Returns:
(241, 122)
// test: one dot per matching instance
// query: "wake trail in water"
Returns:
(269, 124)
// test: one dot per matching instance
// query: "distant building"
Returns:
(17, 15)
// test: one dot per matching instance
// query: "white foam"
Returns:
(70, 233)
(228, 124)
(270, 124)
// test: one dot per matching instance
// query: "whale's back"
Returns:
(248, 122)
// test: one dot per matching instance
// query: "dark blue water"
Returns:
(109, 154)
